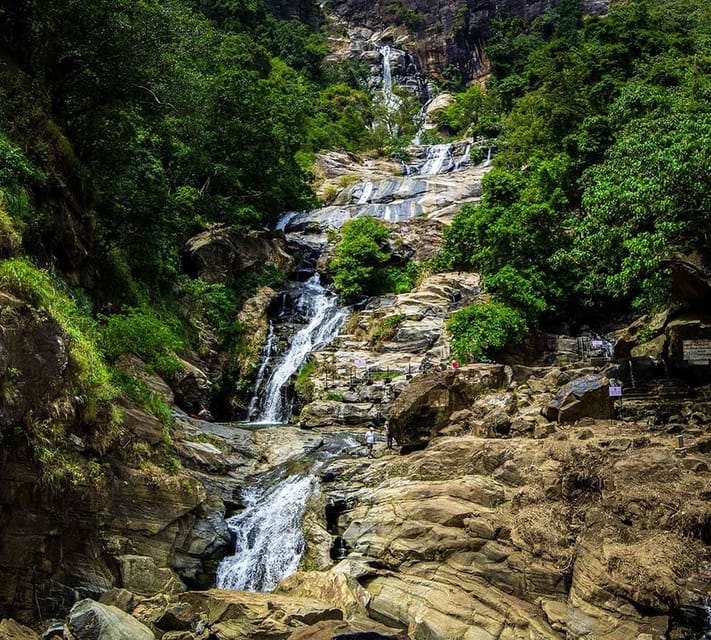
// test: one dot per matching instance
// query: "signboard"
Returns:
(697, 351)
(615, 392)
(359, 362)
(596, 344)
(340, 372)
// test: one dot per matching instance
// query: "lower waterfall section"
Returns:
(268, 538)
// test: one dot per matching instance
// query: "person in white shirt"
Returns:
(370, 441)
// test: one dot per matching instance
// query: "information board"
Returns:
(615, 392)
(697, 351)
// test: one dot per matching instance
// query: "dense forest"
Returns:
(604, 131)
(127, 127)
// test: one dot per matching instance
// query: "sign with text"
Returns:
(697, 351)
(359, 362)
(615, 392)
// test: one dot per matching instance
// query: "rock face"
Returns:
(439, 34)
(34, 358)
(11, 630)
(220, 255)
(426, 405)
(549, 538)
(89, 620)
(587, 396)
(390, 342)
(394, 199)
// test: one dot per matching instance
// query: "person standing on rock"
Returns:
(370, 441)
(388, 435)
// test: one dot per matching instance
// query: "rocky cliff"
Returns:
(441, 35)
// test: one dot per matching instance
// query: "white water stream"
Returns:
(324, 319)
(268, 537)
(267, 351)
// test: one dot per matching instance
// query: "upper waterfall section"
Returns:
(440, 179)
(439, 34)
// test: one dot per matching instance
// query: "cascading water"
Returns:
(391, 101)
(267, 351)
(320, 307)
(436, 155)
(268, 537)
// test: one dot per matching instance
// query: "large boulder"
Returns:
(223, 255)
(242, 615)
(688, 327)
(139, 574)
(424, 408)
(191, 385)
(588, 396)
(34, 360)
(90, 620)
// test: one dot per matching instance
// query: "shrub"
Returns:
(304, 386)
(480, 331)
(140, 332)
(359, 257)
(385, 329)
(401, 279)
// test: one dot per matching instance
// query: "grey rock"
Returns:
(90, 620)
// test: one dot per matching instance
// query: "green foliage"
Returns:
(141, 332)
(360, 255)
(216, 303)
(304, 385)
(473, 112)
(43, 291)
(601, 166)
(480, 331)
(138, 391)
(401, 279)
(10, 239)
(383, 330)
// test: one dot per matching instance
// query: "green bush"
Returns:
(401, 279)
(480, 331)
(304, 385)
(359, 258)
(141, 332)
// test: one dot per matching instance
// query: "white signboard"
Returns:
(615, 392)
(697, 351)
(359, 362)
(340, 372)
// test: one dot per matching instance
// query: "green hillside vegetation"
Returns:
(602, 164)
(127, 127)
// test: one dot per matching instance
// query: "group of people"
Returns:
(370, 438)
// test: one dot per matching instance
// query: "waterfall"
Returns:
(268, 537)
(463, 160)
(365, 193)
(390, 100)
(436, 156)
(320, 307)
(285, 220)
(266, 357)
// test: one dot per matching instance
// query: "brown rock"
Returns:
(224, 255)
(584, 397)
(426, 404)
(11, 630)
